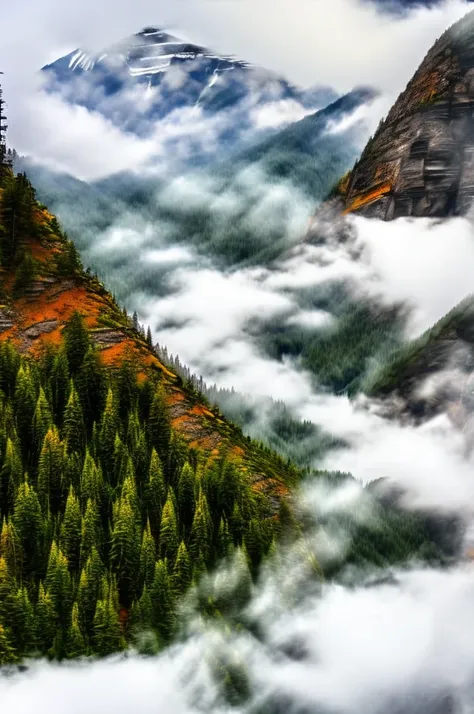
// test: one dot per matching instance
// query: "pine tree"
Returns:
(109, 425)
(125, 549)
(92, 534)
(28, 524)
(186, 497)
(162, 602)
(23, 623)
(155, 494)
(107, 630)
(59, 383)
(169, 531)
(89, 591)
(25, 404)
(201, 530)
(182, 572)
(11, 476)
(224, 540)
(42, 419)
(92, 484)
(46, 621)
(50, 469)
(120, 462)
(91, 381)
(76, 341)
(73, 429)
(7, 653)
(158, 424)
(71, 531)
(236, 524)
(59, 586)
(75, 643)
(147, 557)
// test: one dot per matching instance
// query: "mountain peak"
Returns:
(420, 161)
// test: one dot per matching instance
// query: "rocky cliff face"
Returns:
(421, 160)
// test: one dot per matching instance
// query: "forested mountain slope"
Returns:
(119, 484)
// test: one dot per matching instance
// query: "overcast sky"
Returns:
(339, 42)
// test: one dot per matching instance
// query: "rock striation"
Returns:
(420, 161)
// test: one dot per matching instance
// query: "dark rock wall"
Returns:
(421, 160)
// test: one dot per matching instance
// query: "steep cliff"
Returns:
(420, 161)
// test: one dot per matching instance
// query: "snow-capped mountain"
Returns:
(147, 76)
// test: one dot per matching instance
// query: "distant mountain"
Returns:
(151, 75)
(421, 160)
(307, 156)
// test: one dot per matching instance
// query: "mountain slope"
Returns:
(43, 290)
(420, 161)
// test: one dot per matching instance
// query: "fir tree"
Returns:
(28, 524)
(155, 494)
(71, 531)
(169, 531)
(162, 603)
(159, 425)
(50, 467)
(125, 549)
(186, 497)
(46, 621)
(73, 429)
(11, 476)
(182, 572)
(75, 643)
(147, 557)
(76, 342)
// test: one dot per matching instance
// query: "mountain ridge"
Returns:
(420, 162)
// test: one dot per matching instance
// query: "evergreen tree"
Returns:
(91, 382)
(89, 591)
(125, 549)
(46, 621)
(50, 468)
(92, 484)
(186, 497)
(107, 630)
(23, 623)
(76, 342)
(169, 531)
(28, 524)
(25, 404)
(182, 572)
(109, 425)
(155, 494)
(201, 530)
(73, 429)
(11, 476)
(162, 603)
(75, 643)
(7, 653)
(158, 424)
(92, 535)
(42, 419)
(59, 586)
(59, 385)
(147, 557)
(71, 531)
